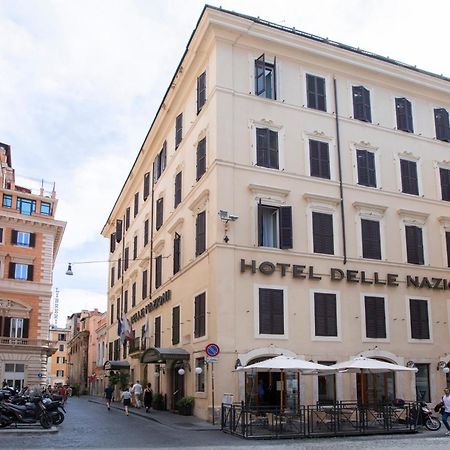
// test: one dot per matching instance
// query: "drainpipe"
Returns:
(151, 233)
(341, 189)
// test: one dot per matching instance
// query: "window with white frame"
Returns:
(267, 154)
(375, 317)
(274, 226)
(265, 78)
(370, 238)
(319, 159)
(315, 92)
(419, 318)
(365, 161)
(323, 235)
(271, 311)
(325, 314)
(409, 176)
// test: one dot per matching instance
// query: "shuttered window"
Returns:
(410, 184)
(175, 325)
(133, 295)
(112, 313)
(447, 241)
(200, 233)
(267, 148)
(127, 218)
(414, 244)
(176, 253)
(135, 247)
(177, 196)
(375, 317)
(178, 130)
(112, 243)
(366, 168)
(158, 332)
(275, 226)
(200, 315)
(361, 104)
(18, 271)
(158, 271)
(146, 192)
(315, 90)
(445, 183)
(323, 240)
(119, 230)
(159, 213)
(265, 78)
(136, 204)
(119, 268)
(371, 242)
(146, 229)
(442, 124)
(125, 301)
(271, 311)
(404, 115)
(144, 284)
(319, 159)
(201, 158)
(325, 315)
(23, 238)
(126, 258)
(419, 319)
(201, 91)
(113, 274)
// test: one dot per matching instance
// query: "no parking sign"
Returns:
(212, 350)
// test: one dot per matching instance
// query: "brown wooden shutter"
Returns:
(177, 197)
(7, 327)
(370, 233)
(146, 192)
(112, 244)
(159, 213)
(201, 158)
(26, 328)
(419, 319)
(285, 227)
(200, 238)
(32, 240)
(175, 325)
(414, 245)
(13, 236)
(176, 253)
(323, 239)
(118, 233)
(158, 271)
(30, 272)
(325, 314)
(271, 311)
(12, 271)
(158, 331)
(375, 317)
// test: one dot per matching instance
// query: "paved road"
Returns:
(90, 425)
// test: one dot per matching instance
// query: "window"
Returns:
(136, 204)
(201, 158)
(319, 159)
(158, 271)
(200, 315)
(178, 130)
(159, 165)
(375, 317)
(110, 351)
(175, 325)
(127, 218)
(371, 242)
(146, 229)
(7, 201)
(323, 241)
(410, 183)
(18, 271)
(361, 104)
(418, 310)
(327, 385)
(61, 337)
(365, 161)
(113, 270)
(60, 373)
(118, 309)
(133, 295)
(112, 243)
(61, 347)
(159, 213)
(423, 383)
(271, 311)
(23, 238)
(60, 360)
(325, 314)
(445, 183)
(126, 258)
(178, 181)
(144, 283)
(26, 206)
(125, 301)
(274, 226)
(112, 313)
(16, 327)
(315, 90)
(267, 148)
(442, 124)
(201, 91)
(200, 377)
(176, 253)
(158, 331)
(146, 192)
(414, 245)
(265, 78)
(1, 235)
(447, 242)
(119, 268)
(46, 208)
(135, 247)
(200, 233)
(404, 115)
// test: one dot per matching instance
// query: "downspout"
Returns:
(341, 188)
(151, 233)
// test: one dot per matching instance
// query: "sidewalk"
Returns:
(163, 417)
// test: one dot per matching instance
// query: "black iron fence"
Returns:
(341, 418)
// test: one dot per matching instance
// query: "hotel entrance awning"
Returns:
(157, 355)
(116, 365)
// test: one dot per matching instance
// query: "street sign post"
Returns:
(212, 351)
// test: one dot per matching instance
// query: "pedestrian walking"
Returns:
(108, 395)
(136, 390)
(126, 397)
(446, 410)
(148, 397)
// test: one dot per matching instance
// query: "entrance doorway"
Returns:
(177, 387)
(15, 375)
(375, 388)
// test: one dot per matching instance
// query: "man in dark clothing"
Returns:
(108, 394)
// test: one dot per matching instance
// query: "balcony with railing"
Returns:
(24, 342)
(137, 346)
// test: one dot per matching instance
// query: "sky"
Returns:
(81, 81)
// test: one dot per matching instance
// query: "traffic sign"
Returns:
(212, 350)
(210, 359)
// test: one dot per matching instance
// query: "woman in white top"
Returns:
(126, 397)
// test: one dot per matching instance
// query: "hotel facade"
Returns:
(30, 237)
(291, 197)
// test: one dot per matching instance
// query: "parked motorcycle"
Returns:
(426, 418)
(30, 413)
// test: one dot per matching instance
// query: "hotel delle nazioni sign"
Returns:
(300, 271)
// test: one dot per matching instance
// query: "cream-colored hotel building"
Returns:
(291, 197)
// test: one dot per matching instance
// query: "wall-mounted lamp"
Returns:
(411, 364)
(185, 365)
(442, 365)
(237, 364)
(225, 217)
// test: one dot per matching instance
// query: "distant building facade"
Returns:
(30, 237)
(57, 363)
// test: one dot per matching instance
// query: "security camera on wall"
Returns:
(233, 217)
(223, 215)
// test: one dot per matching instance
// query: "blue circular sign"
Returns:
(212, 350)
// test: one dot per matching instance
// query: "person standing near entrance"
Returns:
(108, 395)
(446, 412)
(126, 397)
(148, 397)
(137, 391)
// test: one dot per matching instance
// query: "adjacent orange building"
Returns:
(58, 363)
(30, 237)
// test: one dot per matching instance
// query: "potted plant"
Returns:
(158, 401)
(186, 406)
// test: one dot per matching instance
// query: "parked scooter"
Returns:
(11, 413)
(426, 418)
